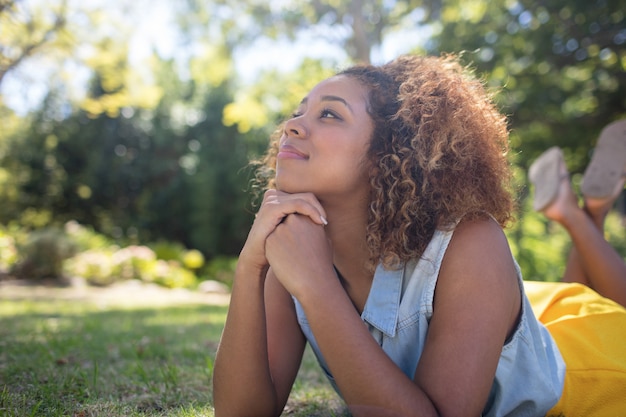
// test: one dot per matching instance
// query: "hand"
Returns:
(300, 254)
(276, 206)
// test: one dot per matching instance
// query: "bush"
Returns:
(108, 265)
(43, 254)
(168, 251)
(222, 269)
(85, 238)
(8, 251)
(78, 251)
(169, 274)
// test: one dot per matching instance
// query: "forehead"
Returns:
(341, 86)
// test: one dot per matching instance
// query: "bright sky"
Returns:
(152, 29)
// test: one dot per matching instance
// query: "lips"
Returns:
(290, 152)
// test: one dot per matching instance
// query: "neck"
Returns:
(346, 230)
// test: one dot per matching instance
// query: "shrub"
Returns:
(95, 266)
(169, 274)
(8, 251)
(78, 251)
(85, 238)
(168, 251)
(222, 269)
(104, 266)
(43, 254)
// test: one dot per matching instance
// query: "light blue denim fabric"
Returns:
(530, 374)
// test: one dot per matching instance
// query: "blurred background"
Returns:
(126, 127)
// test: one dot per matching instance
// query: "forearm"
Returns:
(242, 381)
(368, 380)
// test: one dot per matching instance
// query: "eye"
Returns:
(329, 114)
(295, 114)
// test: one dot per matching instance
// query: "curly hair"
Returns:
(438, 149)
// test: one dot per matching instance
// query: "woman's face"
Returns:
(323, 146)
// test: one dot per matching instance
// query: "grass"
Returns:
(68, 358)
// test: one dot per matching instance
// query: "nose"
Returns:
(295, 128)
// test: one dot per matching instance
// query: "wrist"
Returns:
(251, 271)
(318, 287)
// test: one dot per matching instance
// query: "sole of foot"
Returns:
(545, 175)
(605, 172)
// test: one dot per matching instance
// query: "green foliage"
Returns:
(8, 250)
(157, 153)
(168, 251)
(106, 266)
(558, 67)
(103, 263)
(222, 269)
(172, 173)
(615, 231)
(274, 96)
(539, 247)
(43, 254)
(27, 31)
(357, 27)
(85, 238)
(78, 251)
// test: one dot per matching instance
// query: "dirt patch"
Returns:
(124, 294)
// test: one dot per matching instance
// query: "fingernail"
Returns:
(324, 220)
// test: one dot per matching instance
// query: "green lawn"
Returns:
(78, 359)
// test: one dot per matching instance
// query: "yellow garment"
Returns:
(590, 331)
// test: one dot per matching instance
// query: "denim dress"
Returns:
(530, 374)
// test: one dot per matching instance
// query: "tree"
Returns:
(24, 32)
(358, 26)
(159, 147)
(558, 68)
(559, 65)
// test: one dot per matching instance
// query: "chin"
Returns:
(288, 190)
(289, 187)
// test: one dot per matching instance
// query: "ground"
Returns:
(125, 293)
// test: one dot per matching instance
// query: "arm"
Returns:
(476, 305)
(261, 346)
(260, 350)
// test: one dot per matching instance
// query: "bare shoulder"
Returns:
(476, 231)
(478, 266)
(480, 244)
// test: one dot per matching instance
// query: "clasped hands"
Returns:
(288, 235)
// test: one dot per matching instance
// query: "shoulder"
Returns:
(478, 266)
(478, 240)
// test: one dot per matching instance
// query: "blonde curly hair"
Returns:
(438, 149)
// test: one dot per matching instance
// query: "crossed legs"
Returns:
(592, 260)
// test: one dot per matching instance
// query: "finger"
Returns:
(302, 203)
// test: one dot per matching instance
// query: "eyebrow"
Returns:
(331, 98)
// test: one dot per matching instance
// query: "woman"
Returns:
(380, 242)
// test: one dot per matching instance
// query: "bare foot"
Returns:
(566, 202)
